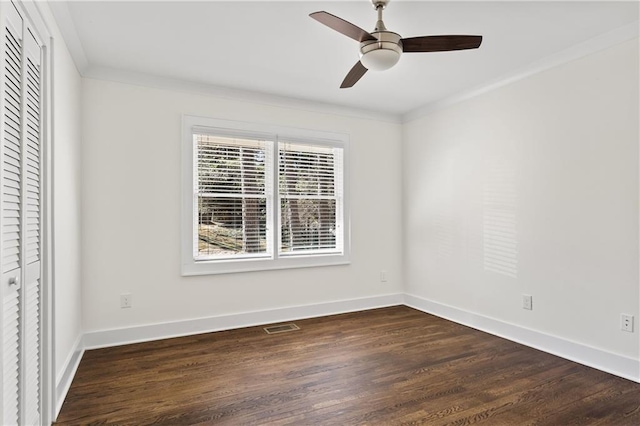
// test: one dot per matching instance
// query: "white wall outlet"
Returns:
(626, 323)
(527, 302)
(383, 276)
(125, 300)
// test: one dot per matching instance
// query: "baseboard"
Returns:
(618, 365)
(144, 333)
(63, 381)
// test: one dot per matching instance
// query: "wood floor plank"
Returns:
(381, 367)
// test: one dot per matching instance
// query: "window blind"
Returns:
(310, 189)
(231, 197)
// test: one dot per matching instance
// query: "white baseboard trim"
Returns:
(618, 365)
(144, 333)
(65, 377)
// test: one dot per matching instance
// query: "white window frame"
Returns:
(274, 260)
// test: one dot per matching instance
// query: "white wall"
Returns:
(131, 211)
(547, 167)
(66, 199)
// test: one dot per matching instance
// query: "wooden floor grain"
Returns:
(380, 367)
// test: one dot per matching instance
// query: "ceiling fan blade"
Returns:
(441, 43)
(342, 26)
(354, 75)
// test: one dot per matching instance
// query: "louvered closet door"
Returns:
(12, 230)
(31, 228)
(20, 220)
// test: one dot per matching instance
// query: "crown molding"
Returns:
(158, 82)
(62, 16)
(593, 45)
(60, 12)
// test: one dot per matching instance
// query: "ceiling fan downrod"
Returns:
(379, 6)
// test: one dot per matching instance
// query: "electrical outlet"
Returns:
(125, 300)
(626, 323)
(383, 276)
(527, 302)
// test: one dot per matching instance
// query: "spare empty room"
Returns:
(441, 197)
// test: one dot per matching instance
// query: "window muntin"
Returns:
(243, 182)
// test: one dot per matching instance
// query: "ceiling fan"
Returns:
(381, 49)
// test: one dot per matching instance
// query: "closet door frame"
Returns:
(37, 25)
(34, 21)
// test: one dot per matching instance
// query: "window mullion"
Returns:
(276, 221)
(338, 185)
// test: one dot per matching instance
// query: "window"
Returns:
(231, 197)
(259, 197)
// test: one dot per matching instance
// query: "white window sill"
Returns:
(213, 267)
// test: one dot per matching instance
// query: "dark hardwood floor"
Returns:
(380, 367)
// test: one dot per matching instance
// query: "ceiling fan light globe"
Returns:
(383, 53)
(380, 59)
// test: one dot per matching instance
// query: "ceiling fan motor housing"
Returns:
(383, 53)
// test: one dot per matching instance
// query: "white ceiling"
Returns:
(275, 48)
